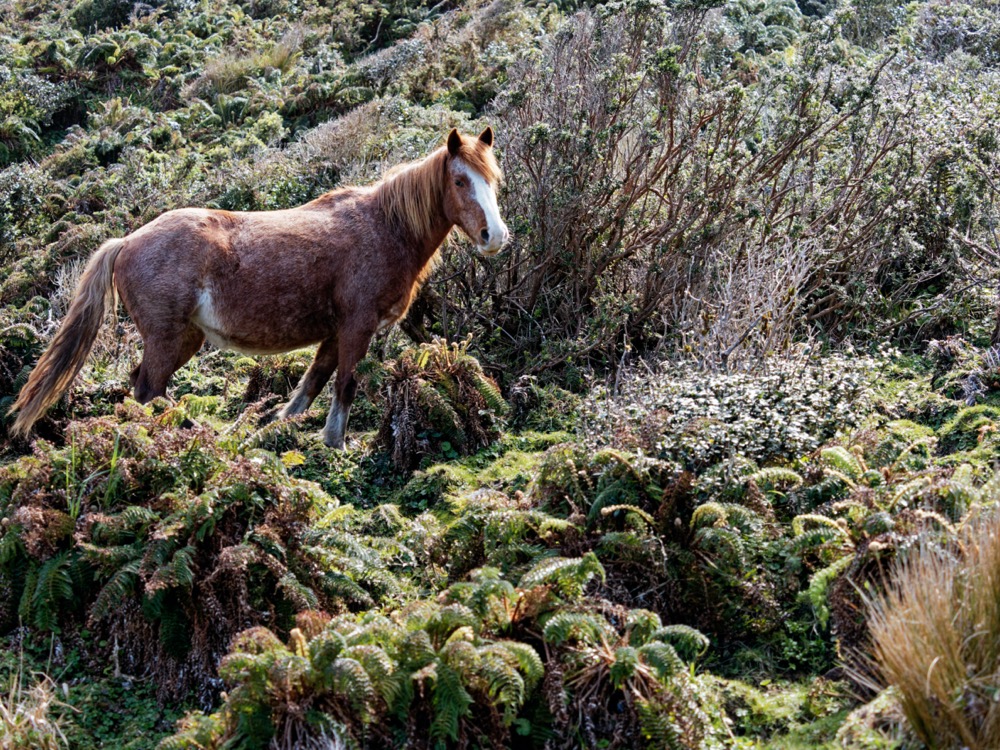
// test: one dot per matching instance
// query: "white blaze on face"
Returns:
(486, 197)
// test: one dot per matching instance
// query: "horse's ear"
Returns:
(454, 142)
(487, 136)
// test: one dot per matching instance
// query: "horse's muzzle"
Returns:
(495, 245)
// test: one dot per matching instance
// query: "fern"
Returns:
(689, 640)
(814, 519)
(819, 584)
(11, 545)
(724, 514)
(570, 574)
(53, 586)
(301, 596)
(499, 668)
(119, 588)
(528, 661)
(451, 702)
(489, 391)
(775, 476)
(577, 626)
(625, 663)
(658, 727)
(909, 492)
(662, 658)
(349, 678)
(271, 435)
(722, 541)
(630, 509)
(843, 461)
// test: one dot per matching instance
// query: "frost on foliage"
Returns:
(700, 418)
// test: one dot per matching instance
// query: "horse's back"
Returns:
(255, 281)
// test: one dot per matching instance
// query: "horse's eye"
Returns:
(460, 183)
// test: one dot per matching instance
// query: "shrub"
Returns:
(700, 419)
(171, 542)
(437, 400)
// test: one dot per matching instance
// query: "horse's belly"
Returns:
(250, 338)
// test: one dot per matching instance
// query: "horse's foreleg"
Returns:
(352, 347)
(162, 356)
(317, 376)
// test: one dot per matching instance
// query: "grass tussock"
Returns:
(936, 634)
(27, 721)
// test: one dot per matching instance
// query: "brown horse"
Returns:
(332, 272)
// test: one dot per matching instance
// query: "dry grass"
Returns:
(936, 635)
(26, 722)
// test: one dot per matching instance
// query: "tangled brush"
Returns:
(438, 400)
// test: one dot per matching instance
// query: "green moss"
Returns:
(782, 715)
(429, 488)
(962, 433)
(899, 436)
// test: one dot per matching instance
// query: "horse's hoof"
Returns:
(332, 442)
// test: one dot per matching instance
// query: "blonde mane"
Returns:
(411, 194)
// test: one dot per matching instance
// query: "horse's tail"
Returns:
(69, 348)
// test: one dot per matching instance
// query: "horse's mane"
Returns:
(411, 194)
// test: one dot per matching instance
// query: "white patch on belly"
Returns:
(208, 321)
(394, 314)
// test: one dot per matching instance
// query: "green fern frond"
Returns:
(658, 726)
(447, 620)
(349, 678)
(577, 626)
(775, 476)
(570, 574)
(498, 668)
(710, 514)
(53, 587)
(819, 584)
(122, 586)
(722, 541)
(839, 458)
(270, 436)
(625, 663)
(909, 492)
(800, 523)
(663, 658)
(489, 391)
(324, 650)
(378, 666)
(301, 596)
(11, 545)
(692, 642)
(640, 624)
(607, 511)
(416, 650)
(528, 661)
(451, 703)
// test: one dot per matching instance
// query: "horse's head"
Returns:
(470, 199)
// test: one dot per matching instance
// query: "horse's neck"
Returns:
(432, 243)
(421, 234)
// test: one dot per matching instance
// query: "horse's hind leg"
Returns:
(352, 347)
(162, 356)
(312, 382)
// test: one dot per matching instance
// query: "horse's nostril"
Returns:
(485, 234)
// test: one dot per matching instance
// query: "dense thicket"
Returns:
(636, 481)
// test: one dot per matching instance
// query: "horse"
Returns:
(331, 272)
